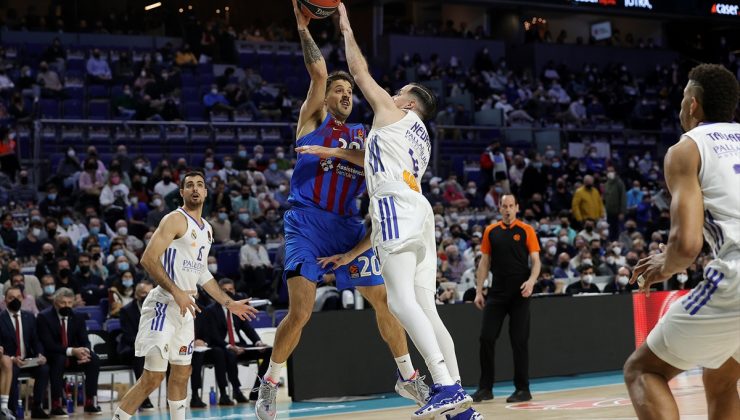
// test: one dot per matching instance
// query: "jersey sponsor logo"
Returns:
(347, 171)
(354, 272)
(192, 266)
(327, 165)
(517, 237)
(410, 180)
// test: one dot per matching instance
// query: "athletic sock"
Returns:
(405, 368)
(4, 401)
(178, 409)
(273, 372)
(438, 370)
(120, 414)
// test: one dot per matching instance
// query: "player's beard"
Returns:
(191, 204)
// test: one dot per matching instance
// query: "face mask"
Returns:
(610, 260)
(682, 278)
(123, 231)
(552, 249)
(209, 165)
(122, 266)
(127, 282)
(71, 153)
(437, 234)
(94, 230)
(258, 156)
(244, 217)
(435, 191)
(66, 311)
(280, 155)
(588, 278)
(282, 188)
(167, 180)
(588, 261)
(156, 202)
(36, 218)
(84, 269)
(222, 216)
(118, 253)
(36, 232)
(273, 166)
(228, 163)
(623, 280)
(498, 190)
(617, 250)
(537, 165)
(115, 180)
(242, 154)
(611, 175)
(564, 264)
(631, 262)
(253, 241)
(51, 196)
(64, 272)
(589, 228)
(563, 239)
(472, 191)
(556, 164)
(14, 305)
(545, 228)
(213, 268)
(49, 290)
(66, 221)
(96, 257)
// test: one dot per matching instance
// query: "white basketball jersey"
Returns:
(398, 152)
(719, 177)
(186, 259)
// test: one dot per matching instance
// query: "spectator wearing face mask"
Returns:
(589, 232)
(94, 229)
(243, 221)
(282, 195)
(620, 282)
(586, 282)
(587, 203)
(682, 281)
(546, 283)
(65, 278)
(115, 192)
(28, 302)
(48, 285)
(121, 292)
(30, 245)
(132, 242)
(255, 264)
(625, 238)
(7, 232)
(454, 266)
(91, 286)
(434, 193)
(272, 226)
(560, 199)
(247, 201)
(609, 264)
(157, 211)
(166, 185)
(221, 226)
(273, 175)
(228, 170)
(563, 269)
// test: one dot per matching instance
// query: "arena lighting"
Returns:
(725, 9)
(153, 6)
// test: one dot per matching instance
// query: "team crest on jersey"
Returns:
(210, 239)
(354, 272)
(517, 237)
(327, 165)
(194, 234)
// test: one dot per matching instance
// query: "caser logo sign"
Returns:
(642, 4)
(725, 9)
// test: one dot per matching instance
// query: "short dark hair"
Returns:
(189, 174)
(11, 288)
(584, 267)
(719, 91)
(339, 75)
(84, 255)
(224, 281)
(426, 99)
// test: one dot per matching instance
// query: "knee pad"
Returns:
(154, 362)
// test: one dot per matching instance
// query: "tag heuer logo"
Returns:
(194, 234)
(327, 165)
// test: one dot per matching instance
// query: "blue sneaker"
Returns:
(469, 414)
(444, 400)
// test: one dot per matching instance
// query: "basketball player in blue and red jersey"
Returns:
(324, 220)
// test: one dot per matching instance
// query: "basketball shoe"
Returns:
(414, 389)
(443, 400)
(469, 414)
(266, 406)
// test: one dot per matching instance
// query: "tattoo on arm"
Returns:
(311, 52)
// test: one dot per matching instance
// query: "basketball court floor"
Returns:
(591, 396)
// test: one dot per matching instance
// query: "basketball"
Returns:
(318, 9)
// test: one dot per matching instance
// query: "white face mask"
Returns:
(610, 260)
(123, 231)
(213, 268)
(563, 239)
(588, 278)
(552, 249)
(623, 280)
(682, 278)
(617, 250)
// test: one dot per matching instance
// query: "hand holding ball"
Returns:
(318, 9)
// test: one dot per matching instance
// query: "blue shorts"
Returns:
(312, 233)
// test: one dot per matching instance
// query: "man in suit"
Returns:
(64, 338)
(20, 341)
(228, 347)
(129, 316)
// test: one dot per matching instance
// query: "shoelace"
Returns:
(270, 390)
(422, 388)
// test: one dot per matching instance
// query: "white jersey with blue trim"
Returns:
(186, 259)
(398, 152)
(719, 177)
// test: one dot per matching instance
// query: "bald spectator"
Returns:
(587, 203)
(620, 282)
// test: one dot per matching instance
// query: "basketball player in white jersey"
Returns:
(402, 235)
(702, 172)
(176, 258)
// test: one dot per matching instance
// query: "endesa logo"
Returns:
(725, 9)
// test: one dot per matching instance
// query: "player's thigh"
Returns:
(644, 360)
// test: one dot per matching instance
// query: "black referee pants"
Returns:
(494, 313)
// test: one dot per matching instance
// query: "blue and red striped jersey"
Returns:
(330, 184)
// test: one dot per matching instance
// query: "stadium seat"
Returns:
(49, 108)
(72, 109)
(98, 109)
(93, 313)
(263, 320)
(491, 116)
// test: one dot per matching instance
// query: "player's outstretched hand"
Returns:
(338, 260)
(318, 151)
(344, 25)
(649, 271)
(301, 19)
(242, 309)
(186, 303)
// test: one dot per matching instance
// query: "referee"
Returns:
(507, 247)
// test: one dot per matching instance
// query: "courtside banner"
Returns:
(648, 310)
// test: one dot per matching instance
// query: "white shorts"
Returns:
(162, 327)
(703, 328)
(402, 221)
